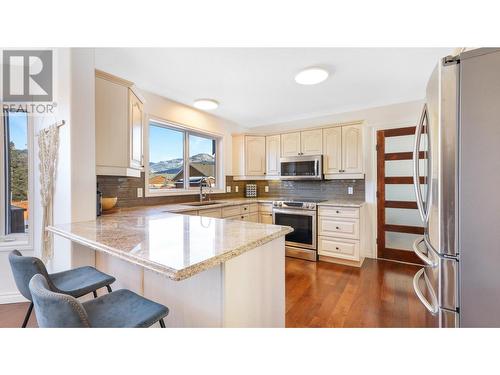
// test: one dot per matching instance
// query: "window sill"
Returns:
(18, 244)
(167, 193)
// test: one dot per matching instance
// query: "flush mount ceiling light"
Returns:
(206, 104)
(311, 76)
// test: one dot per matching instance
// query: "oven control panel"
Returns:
(295, 205)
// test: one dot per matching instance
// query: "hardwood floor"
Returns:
(380, 294)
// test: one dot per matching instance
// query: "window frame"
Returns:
(187, 130)
(20, 241)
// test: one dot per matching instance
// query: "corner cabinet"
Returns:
(119, 127)
(343, 152)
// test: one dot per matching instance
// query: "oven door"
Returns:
(303, 223)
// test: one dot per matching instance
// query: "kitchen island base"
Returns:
(245, 291)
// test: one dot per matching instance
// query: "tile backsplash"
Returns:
(125, 188)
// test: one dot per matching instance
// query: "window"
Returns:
(180, 158)
(15, 174)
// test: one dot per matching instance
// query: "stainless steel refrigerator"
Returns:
(457, 185)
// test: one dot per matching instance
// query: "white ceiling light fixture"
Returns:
(311, 76)
(206, 104)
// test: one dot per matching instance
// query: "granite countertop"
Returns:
(177, 246)
(183, 207)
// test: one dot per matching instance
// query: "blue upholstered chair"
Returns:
(119, 309)
(76, 282)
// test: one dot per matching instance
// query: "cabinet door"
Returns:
(255, 155)
(311, 142)
(136, 121)
(273, 152)
(265, 218)
(332, 150)
(254, 218)
(352, 149)
(290, 144)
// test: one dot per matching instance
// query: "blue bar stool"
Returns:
(76, 282)
(119, 309)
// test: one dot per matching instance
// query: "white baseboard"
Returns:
(11, 298)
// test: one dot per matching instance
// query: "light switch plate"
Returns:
(266, 189)
(236, 189)
(228, 189)
(350, 190)
(139, 192)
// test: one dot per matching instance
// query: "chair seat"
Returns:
(123, 309)
(80, 281)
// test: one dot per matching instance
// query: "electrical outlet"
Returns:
(139, 192)
(228, 189)
(350, 190)
(266, 189)
(236, 189)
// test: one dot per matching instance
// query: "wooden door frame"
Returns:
(382, 204)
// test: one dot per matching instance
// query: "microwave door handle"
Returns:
(316, 167)
(432, 306)
(416, 166)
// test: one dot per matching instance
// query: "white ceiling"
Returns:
(255, 86)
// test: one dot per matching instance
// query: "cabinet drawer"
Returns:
(211, 213)
(338, 248)
(266, 207)
(345, 228)
(190, 213)
(239, 217)
(230, 211)
(254, 207)
(254, 218)
(245, 209)
(346, 212)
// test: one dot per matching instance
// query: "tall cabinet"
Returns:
(119, 112)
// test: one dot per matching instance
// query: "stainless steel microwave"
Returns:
(301, 167)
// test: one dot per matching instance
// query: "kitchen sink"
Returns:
(197, 204)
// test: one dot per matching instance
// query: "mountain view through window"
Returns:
(167, 147)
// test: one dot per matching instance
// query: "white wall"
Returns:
(391, 116)
(74, 193)
(159, 107)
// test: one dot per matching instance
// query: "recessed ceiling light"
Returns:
(205, 104)
(311, 76)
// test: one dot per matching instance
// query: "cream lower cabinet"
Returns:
(245, 212)
(340, 234)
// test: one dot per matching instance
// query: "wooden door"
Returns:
(255, 155)
(332, 150)
(311, 142)
(273, 152)
(290, 144)
(398, 222)
(352, 149)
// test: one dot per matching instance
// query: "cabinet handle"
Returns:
(337, 212)
(337, 228)
(337, 248)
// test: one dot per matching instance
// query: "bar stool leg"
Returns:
(95, 294)
(162, 323)
(108, 288)
(28, 314)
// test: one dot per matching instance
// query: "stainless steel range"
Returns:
(301, 215)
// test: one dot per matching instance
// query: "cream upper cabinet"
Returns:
(119, 127)
(310, 142)
(255, 155)
(290, 144)
(352, 149)
(332, 150)
(273, 152)
(136, 116)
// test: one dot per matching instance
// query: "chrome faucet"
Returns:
(209, 182)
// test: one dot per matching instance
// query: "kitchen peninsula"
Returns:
(210, 272)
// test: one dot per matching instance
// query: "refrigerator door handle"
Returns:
(432, 306)
(421, 255)
(416, 167)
